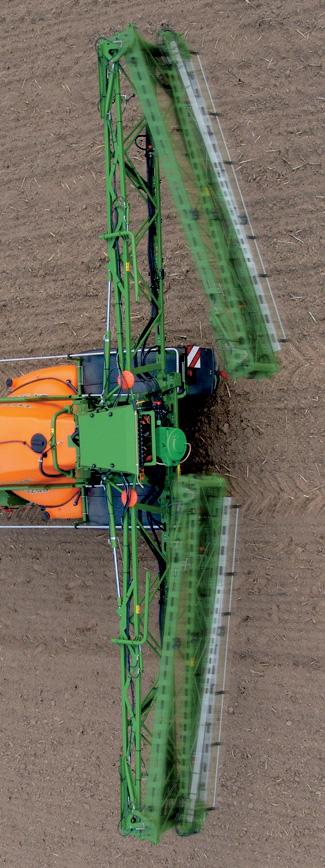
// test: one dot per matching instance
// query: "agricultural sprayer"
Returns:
(94, 439)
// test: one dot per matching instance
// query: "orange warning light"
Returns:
(129, 498)
(126, 380)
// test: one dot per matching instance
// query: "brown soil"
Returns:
(59, 682)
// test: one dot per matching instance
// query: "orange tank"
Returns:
(29, 429)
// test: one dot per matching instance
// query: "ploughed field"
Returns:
(59, 742)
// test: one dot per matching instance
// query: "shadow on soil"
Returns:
(207, 427)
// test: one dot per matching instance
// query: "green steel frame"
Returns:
(123, 241)
(165, 659)
(174, 112)
(128, 68)
(138, 596)
(177, 791)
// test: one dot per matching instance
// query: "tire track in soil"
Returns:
(304, 363)
(276, 493)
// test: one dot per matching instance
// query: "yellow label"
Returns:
(128, 266)
(138, 610)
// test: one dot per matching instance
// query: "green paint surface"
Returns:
(108, 439)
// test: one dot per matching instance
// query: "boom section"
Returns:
(195, 166)
(135, 272)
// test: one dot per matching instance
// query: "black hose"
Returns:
(153, 271)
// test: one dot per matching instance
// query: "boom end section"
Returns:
(184, 754)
